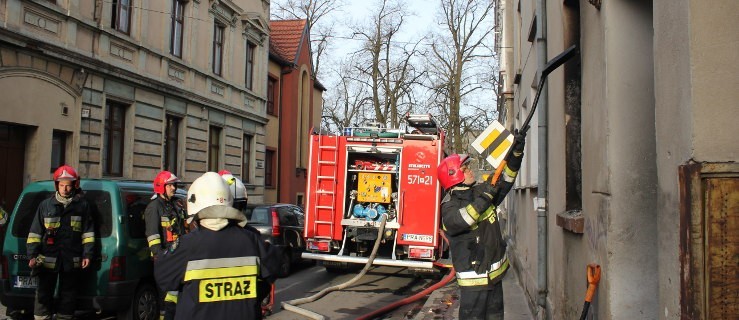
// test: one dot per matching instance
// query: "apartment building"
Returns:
(121, 89)
(631, 161)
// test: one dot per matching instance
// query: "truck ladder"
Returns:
(325, 199)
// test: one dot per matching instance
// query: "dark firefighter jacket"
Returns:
(165, 222)
(477, 246)
(218, 273)
(62, 236)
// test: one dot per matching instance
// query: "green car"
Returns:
(120, 279)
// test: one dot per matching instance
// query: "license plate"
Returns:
(418, 238)
(25, 282)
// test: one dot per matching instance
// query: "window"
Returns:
(135, 207)
(115, 126)
(269, 168)
(121, 16)
(101, 210)
(178, 21)
(299, 199)
(218, 49)
(214, 148)
(250, 48)
(58, 149)
(171, 143)
(246, 159)
(271, 98)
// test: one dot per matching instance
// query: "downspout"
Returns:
(541, 202)
(283, 71)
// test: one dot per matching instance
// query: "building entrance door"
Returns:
(12, 157)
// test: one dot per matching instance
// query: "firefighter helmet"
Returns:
(207, 190)
(162, 179)
(66, 173)
(449, 170)
(237, 188)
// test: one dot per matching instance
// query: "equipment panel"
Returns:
(374, 187)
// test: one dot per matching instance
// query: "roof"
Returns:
(286, 37)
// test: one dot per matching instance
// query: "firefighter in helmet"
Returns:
(165, 222)
(469, 218)
(60, 243)
(217, 265)
(238, 192)
(237, 188)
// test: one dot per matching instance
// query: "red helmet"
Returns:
(449, 172)
(162, 179)
(66, 173)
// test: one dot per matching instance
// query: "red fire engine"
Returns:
(356, 178)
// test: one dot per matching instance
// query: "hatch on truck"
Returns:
(424, 123)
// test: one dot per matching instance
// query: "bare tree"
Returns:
(313, 11)
(347, 102)
(468, 28)
(389, 64)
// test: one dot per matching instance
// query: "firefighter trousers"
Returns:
(43, 306)
(481, 304)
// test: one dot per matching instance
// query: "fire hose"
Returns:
(450, 275)
(292, 304)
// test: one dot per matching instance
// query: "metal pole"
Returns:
(543, 170)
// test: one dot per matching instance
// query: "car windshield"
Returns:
(101, 212)
(258, 215)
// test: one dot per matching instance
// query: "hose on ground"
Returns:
(450, 275)
(291, 305)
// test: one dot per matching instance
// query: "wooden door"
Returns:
(12, 154)
(709, 240)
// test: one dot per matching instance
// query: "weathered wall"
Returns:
(631, 250)
(695, 48)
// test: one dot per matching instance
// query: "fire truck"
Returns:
(367, 173)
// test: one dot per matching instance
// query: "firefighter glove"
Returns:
(519, 140)
(514, 158)
(486, 189)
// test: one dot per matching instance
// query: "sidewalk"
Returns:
(444, 302)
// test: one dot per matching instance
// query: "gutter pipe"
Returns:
(543, 169)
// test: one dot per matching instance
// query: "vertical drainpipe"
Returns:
(283, 72)
(543, 170)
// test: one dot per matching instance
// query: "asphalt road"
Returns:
(379, 287)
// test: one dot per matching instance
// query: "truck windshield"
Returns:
(101, 211)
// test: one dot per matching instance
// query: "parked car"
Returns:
(281, 225)
(120, 278)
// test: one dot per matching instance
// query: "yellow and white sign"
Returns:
(494, 142)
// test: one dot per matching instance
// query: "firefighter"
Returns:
(165, 222)
(60, 244)
(218, 265)
(469, 218)
(237, 188)
(238, 192)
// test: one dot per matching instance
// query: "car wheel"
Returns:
(286, 264)
(145, 305)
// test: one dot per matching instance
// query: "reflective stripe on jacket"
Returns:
(218, 273)
(476, 242)
(62, 236)
(165, 222)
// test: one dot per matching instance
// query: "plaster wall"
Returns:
(631, 249)
(695, 81)
(36, 100)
